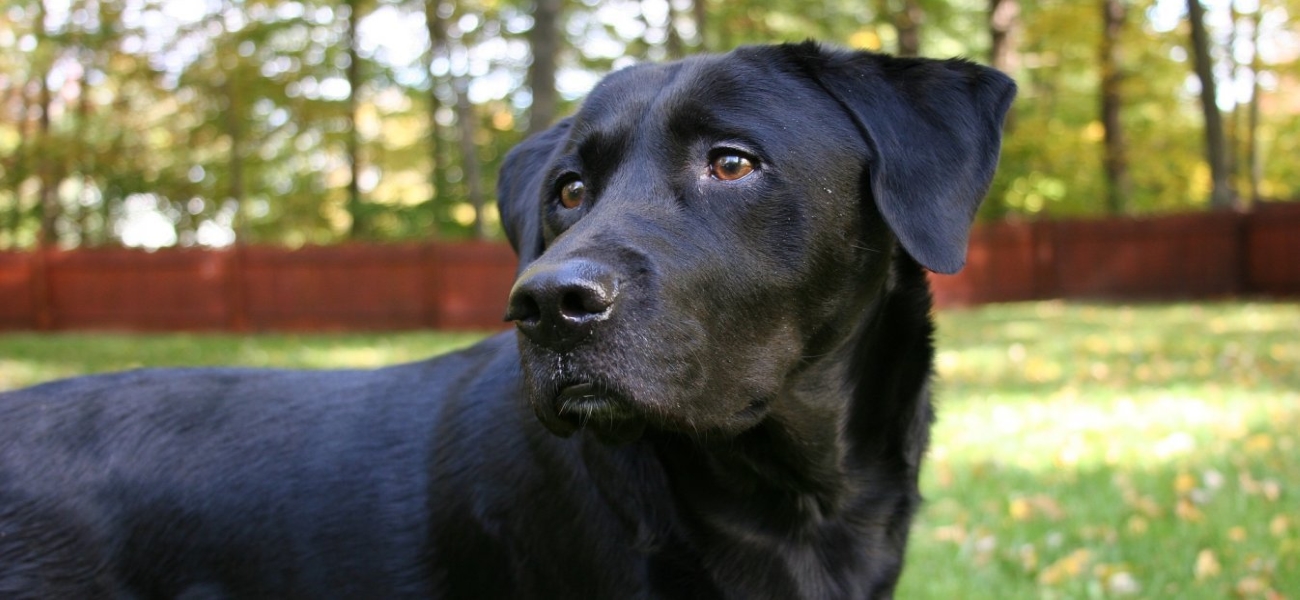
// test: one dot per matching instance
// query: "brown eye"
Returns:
(730, 167)
(573, 193)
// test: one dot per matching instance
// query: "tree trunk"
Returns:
(47, 235)
(1114, 160)
(1253, 158)
(1004, 22)
(545, 42)
(469, 155)
(437, 27)
(234, 130)
(359, 227)
(908, 24)
(1232, 128)
(1215, 142)
(1004, 29)
(15, 165)
(700, 10)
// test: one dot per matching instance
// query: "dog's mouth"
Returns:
(585, 404)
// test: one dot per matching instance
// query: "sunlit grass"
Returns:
(1082, 451)
(28, 358)
(1108, 451)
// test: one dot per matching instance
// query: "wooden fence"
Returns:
(1203, 255)
(464, 285)
(446, 286)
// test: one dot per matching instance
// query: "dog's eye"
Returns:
(573, 193)
(730, 167)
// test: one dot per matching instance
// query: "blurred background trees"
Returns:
(203, 122)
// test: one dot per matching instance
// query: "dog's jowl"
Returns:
(718, 385)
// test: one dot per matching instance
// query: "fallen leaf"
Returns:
(1259, 443)
(1188, 511)
(1122, 583)
(1067, 567)
(1207, 565)
(1279, 525)
(1251, 586)
(1272, 489)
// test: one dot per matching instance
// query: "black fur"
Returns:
(734, 376)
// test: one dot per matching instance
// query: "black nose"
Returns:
(556, 305)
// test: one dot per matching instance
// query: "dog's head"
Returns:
(701, 230)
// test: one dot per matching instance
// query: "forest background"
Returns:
(209, 122)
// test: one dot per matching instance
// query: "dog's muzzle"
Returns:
(586, 405)
(557, 305)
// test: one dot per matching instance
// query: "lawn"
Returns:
(1082, 450)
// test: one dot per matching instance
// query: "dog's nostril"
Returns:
(556, 304)
(583, 302)
(523, 308)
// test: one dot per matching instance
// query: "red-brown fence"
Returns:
(1203, 255)
(464, 285)
(446, 286)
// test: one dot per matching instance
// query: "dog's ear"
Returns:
(519, 190)
(934, 128)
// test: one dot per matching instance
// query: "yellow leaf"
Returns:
(1207, 565)
(1272, 490)
(1251, 586)
(1067, 567)
(1184, 483)
(1019, 509)
(1188, 511)
(1260, 442)
(1279, 525)
(950, 533)
(1237, 534)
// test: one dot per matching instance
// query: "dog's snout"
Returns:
(555, 304)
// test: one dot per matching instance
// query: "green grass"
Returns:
(27, 358)
(1082, 451)
(1104, 451)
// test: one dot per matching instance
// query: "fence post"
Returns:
(1043, 234)
(1244, 224)
(236, 295)
(430, 291)
(42, 298)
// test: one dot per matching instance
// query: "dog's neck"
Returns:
(849, 422)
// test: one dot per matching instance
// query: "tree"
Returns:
(1004, 22)
(544, 42)
(358, 226)
(438, 50)
(47, 171)
(1255, 165)
(465, 118)
(907, 21)
(1114, 161)
(1216, 145)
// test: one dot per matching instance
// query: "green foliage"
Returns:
(232, 117)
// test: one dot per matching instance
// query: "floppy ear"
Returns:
(934, 128)
(519, 190)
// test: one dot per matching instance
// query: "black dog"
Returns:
(723, 322)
